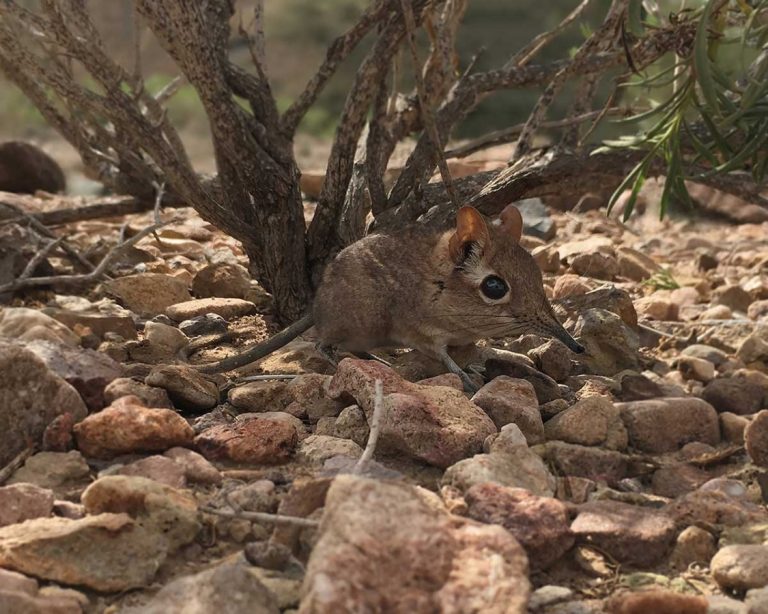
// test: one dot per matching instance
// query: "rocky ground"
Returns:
(632, 479)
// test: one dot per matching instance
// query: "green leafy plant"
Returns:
(712, 118)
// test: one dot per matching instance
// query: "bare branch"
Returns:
(374, 428)
(262, 517)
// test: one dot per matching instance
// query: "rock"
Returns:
(553, 359)
(696, 368)
(589, 245)
(754, 348)
(536, 219)
(13, 601)
(509, 364)
(89, 372)
(665, 425)
(256, 440)
(170, 514)
(585, 462)
(719, 604)
(732, 427)
(611, 345)
(128, 426)
(512, 401)
(31, 397)
(351, 424)
(259, 396)
(595, 265)
(188, 388)
(309, 396)
(758, 310)
(674, 480)
(11, 581)
(104, 552)
(434, 424)
(25, 169)
(639, 387)
(226, 589)
(195, 466)
(741, 567)
(258, 496)
(367, 559)
(516, 468)
(706, 352)
(757, 601)
(717, 312)
(734, 297)
(150, 396)
(100, 324)
(714, 507)
(164, 341)
(20, 502)
(53, 470)
(656, 601)
(227, 308)
(633, 535)
(222, 280)
(25, 324)
(540, 524)
(510, 436)
(148, 294)
(316, 449)
(590, 421)
(547, 596)
(158, 468)
(569, 285)
(693, 545)
(655, 307)
(208, 324)
(635, 265)
(756, 439)
(734, 395)
(547, 257)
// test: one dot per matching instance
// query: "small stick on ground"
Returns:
(262, 517)
(16, 462)
(375, 428)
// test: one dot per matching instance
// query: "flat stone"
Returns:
(20, 502)
(590, 421)
(222, 279)
(734, 395)
(227, 308)
(633, 535)
(259, 396)
(714, 507)
(100, 324)
(158, 468)
(587, 462)
(127, 426)
(257, 440)
(316, 449)
(665, 425)
(195, 466)
(24, 324)
(53, 470)
(151, 396)
(148, 294)
(188, 388)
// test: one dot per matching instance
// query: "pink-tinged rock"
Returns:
(553, 359)
(20, 502)
(87, 371)
(756, 439)
(369, 558)
(259, 396)
(309, 397)
(127, 426)
(665, 425)
(633, 535)
(714, 507)
(434, 424)
(188, 388)
(693, 545)
(158, 468)
(31, 397)
(655, 601)
(674, 480)
(656, 308)
(518, 468)
(105, 552)
(12, 581)
(540, 524)
(59, 434)
(591, 463)
(23, 603)
(758, 310)
(227, 308)
(732, 427)
(196, 467)
(590, 421)
(257, 441)
(508, 400)
(570, 285)
(451, 380)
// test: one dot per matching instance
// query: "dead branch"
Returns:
(374, 428)
(262, 517)
(98, 271)
(17, 461)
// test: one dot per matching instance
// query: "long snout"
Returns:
(556, 330)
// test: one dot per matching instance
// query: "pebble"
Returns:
(612, 346)
(196, 467)
(147, 294)
(590, 421)
(206, 324)
(693, 545)
(631, 534)
(741, 567)
(222, 279)
(53, 470)
(696, 368)
(587, 462)
(756, 439)
(24, 324)
(553, 359)
(188, 388)
(158, 468)
(256, 440)
(508, 400)
(128, 426)
(21, 501)
(316, 449)
(734, 395)
(150, 396)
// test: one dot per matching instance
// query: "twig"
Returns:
(375, 428)
(158, 201)
(526, 54)
(265, 378)
(168, 90)
(262, 517)
(16, 462)
(427, 115)
(41, 255)
(97, 272)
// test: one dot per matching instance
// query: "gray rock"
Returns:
(187, 388)
(612, 346)
(741, 567)
(512, 401)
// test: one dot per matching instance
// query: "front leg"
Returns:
(450, 364)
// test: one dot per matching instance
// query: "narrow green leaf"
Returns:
(701, 58)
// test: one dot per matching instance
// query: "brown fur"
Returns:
(421, 289)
